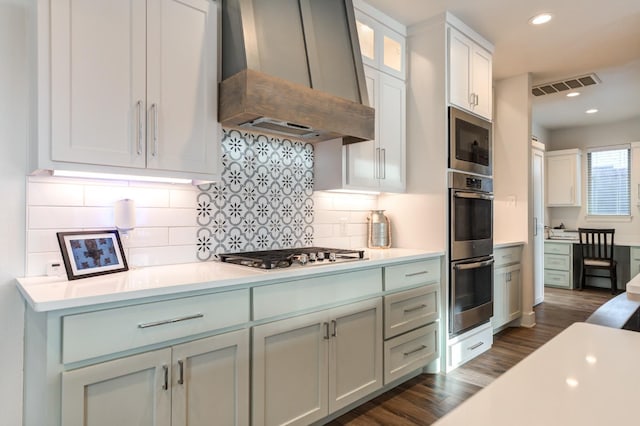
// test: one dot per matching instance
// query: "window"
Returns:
(609, 182)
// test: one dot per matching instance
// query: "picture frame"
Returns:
(91, 253)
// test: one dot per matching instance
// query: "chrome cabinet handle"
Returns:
(377, 165)
(422, 347)
(154, 109)
(169, 321)
(413, 274)
(415, 308)
(471, 100)
(165, 384)
(326, 330)
(384, 163)
(334, 324)
(476, 346)
(139, 108)
(181, 370)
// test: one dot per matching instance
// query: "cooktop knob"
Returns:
(303, 259)
(320, 255)
(332, 256)
(312, 257)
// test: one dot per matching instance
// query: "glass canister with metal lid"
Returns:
(379, 230)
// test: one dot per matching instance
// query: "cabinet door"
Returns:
(391, 114)
(211, 381)
(98, 71)
(290, 377)
(182, 86)
(355, 359)
(482, 82)
(131, 391)
(562, 185)
(460, 53)
(499, 297)
(514, 294)
(361, 159)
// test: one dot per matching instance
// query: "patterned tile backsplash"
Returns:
(263, 200)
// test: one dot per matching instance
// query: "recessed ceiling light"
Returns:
(540, 19)
(591, 111)
(573, 94)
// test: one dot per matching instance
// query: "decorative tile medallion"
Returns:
(263, 200)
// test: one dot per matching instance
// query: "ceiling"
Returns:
(585, 36)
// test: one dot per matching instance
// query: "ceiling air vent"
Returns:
(564, 85)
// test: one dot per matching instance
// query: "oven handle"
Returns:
(474, 265)
(473, 195)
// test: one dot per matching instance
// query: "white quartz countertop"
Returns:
(618, 241)
(584, 376)
(53, 293)
(503, 244)
(633, 288)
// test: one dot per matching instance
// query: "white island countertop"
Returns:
(53, 293)
(586, 375)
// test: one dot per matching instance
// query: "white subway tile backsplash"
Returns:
(183, 236)
(143, 197)
(146, 237)
(184, 198)
(37, 262)
(323, 230)
(167, 217)
(40, 217)
(43, 240)
(55, 194)
(166, 255)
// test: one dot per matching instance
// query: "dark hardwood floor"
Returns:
(426, 398)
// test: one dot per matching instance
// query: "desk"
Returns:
(624, 254)
(584, 376)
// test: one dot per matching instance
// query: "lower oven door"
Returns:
(471, 302)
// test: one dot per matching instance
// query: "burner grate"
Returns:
(283, 258)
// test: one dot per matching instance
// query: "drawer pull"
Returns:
(508, 256)
(421, 348)
(326, 330)
(181, 369)
(169, 321)
(476, 346)
(413, 274)
(334, 323)
(165, 381)
(415, 308)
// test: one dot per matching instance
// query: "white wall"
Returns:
(513, 210)
(14, 135)
(583, 137)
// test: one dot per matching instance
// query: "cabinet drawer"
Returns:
(557, 278)
(635, 254)
(411, 274)
(557, 248)
(406, 353)
(98, 333)
(557, 262)
(314, 292)
(506, 256)
(410, 309)
(470, 347)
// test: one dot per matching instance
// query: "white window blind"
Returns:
(609, 182)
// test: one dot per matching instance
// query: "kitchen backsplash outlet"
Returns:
(263, 200)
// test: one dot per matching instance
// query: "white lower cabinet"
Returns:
(507, 286)
(634, 261)
(309, 366)
(190, 384)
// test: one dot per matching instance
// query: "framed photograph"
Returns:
(90, 253)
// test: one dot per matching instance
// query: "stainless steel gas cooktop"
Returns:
(303, 256)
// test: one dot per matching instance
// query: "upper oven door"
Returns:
(471, 224)
(469, 143)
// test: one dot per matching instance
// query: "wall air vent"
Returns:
(564, 85)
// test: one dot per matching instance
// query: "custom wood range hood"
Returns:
(293, 68)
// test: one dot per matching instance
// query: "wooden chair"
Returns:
(597, 253)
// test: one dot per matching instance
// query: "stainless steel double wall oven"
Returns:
(470, 222)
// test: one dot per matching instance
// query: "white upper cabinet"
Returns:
(470, 75)
(377, 165)
(382, 47)
(563, 178)
(133, 86)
